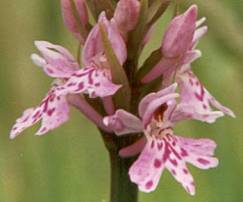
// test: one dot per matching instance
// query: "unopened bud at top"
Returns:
(179, 35)
(126, 15)
(75, 16)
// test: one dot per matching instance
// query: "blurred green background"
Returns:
(71, 163)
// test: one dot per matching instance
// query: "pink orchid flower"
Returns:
(159, 112)
(178, 49)
(71, 21)
(94, 79)
(177, 44)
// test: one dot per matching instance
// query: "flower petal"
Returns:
(123, 122)
(25, 121)
(143, 105)
(92, 81)
(57, 61)
(55, 114)
(199, 152)
(147, 169)
(53, 111)
(196, 101)
(154, 105)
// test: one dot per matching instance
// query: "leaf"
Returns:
(136, 36)
(156, 10)
(149, 63)
(119, 76)
(96, 7)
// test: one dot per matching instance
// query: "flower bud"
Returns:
(126, 15)
(179, 34)
(75, 18)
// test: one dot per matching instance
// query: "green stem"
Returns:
(122, 189)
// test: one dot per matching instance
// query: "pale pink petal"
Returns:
(134, 149)
(126, 15)
(123, 122)
(200, 21)
(200, 146)
(53, 111)
(25, 121)
(56, 61)
(179, 34)
(143, 105)
(219, 106)
(198, 152)
(199, 33)
(190, 57)
(69, 16)
(93, 47)
(92, 81)
(147, 169)
(196, 101)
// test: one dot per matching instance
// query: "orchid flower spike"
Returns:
(158, 114)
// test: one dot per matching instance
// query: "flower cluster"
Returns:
(108, 79)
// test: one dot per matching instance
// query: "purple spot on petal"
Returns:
(157, 163)
(50, 112)
(183, 152)
(173, 171)
(152, 144)
(160, 145)
(174, 162)
(185, 171)
(203, 161)
(149, 184)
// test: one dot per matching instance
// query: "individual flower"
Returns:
(94, 79)
(159, 112)
(179, 39)
(75, 16)
(178, 50)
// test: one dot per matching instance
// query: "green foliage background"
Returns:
(70, 163)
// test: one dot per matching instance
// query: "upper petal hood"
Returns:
(178, 36)
(94, 47)
(56, 61)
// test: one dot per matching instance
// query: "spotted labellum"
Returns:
(135, 108)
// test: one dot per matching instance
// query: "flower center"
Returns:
(159, 127)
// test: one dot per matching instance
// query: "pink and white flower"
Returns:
(178, 50)
(94, 79)
(159, 112)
